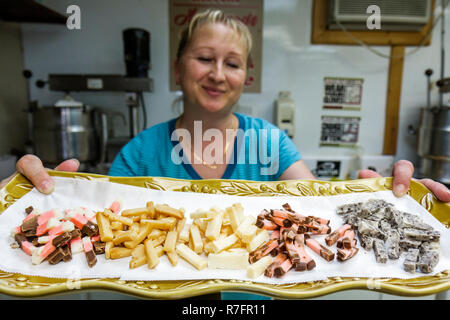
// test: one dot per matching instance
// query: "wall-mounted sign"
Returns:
(339, 131)
(249, 12)
(342, 93)
(327, 169)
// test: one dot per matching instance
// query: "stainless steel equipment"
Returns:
(62, 133)
(110, 83)
(434, 143)
(434, 132)
(75, 130)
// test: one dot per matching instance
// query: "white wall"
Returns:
(13, 94)
(290, 62)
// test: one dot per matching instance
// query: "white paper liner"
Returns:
(97, 195)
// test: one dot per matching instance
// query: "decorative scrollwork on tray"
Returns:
(280, 188)
(153, 185)
(245, 189)
(427, 201)
(25, 186)
(358, 188)
(304, 190)
(239, 189)
(6, 199)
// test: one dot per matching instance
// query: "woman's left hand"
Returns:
(402, 173)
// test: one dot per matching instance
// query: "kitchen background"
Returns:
(289, 63)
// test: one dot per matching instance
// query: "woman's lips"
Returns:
(213, 92)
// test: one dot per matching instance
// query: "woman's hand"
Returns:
(402, 173)
(32, 168)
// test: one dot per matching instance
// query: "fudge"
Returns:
(380, 251)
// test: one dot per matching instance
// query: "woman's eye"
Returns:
(204, 59)
(233, 63)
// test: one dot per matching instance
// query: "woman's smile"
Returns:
(213, 92)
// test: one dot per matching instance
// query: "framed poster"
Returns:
(342, 93)
(339, 131)
(249, 12)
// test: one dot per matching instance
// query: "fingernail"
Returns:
(76, 160)
(46, 187)
(400, 190)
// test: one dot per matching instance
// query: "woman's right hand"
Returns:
(32, 168)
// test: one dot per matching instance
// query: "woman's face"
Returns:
(212, 69)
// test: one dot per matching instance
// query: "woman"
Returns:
(211, 70)
(208, 140)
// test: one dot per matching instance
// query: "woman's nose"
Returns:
(217, 72)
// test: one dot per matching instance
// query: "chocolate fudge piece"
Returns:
(369, 228)
(56, 256)
(349, 208)
(99, 247)
(75, 233)
(428, 260)
(429, 246)
(62, 239)
(352, 219)
(393, 245)
(332, 238)
(366, 241)
(346, 254)
(300, 266)
(29, 226)
(395, 217)
(385, 226)
(20, 238)
(90, 229)
(373, 207)
(408, 243)
(412, 221)
(380, 251)
(35, 242)
(29, 210)
(421, 235)
(67, 253)
(91, 258)
(393, 248)
(410, 263)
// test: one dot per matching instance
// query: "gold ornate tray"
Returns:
(32, 286)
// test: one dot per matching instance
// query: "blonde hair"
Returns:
(214, 16)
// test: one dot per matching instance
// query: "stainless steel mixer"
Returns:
(434, 136)
(71, 129)
(62, 133)
(434, 143)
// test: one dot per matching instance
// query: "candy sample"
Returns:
(55, 235)
(389, 233)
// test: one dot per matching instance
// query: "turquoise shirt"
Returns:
(261, 152)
